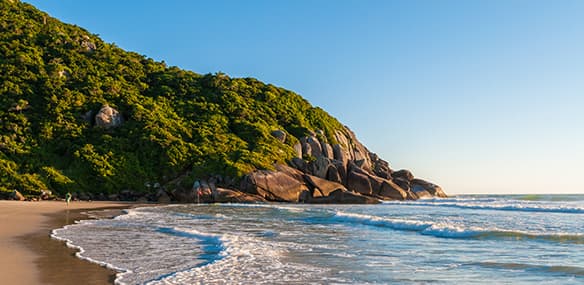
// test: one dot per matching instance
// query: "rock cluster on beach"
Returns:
(345, 172)
(342, 172)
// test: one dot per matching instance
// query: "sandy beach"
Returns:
(29, 256)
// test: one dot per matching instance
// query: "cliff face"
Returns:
(83, 116)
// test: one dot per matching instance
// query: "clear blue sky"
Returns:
(477, 96)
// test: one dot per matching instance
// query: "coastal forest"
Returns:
(56, 77)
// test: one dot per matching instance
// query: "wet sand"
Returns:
(29, 256)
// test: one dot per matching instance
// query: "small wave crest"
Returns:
(509, 205)
(248, 260)
(269, 206)
(396, 224)
(553, 269)
(212, 245)
(451, 230)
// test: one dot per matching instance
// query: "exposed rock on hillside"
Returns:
(280, 135)
(108, 117)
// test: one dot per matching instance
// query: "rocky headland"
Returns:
(82, 116)
(343, 172)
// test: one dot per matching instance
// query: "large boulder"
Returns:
(273, 186)
(306, 148)
(17, 196)
(222, 195)
(298, 150)
(392, 191)
(341, 169)
(320, 166)
(340, 154)
(311, 146)
(205, 191)
(362, 158)
(419, 185)
(375, 182)
(45, 195)
(292, 172)
(299, 164)
(316, 149)
(342, 139)
(280, 135)
(402, 182)
(108, 117)
(357, 151)
(322, 187)
(87, 44)
(380, 167)
(333, 174)
(358, 181)
(344, 197)
(327, 150)
(403, 174)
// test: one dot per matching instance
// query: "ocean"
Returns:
(467, 239)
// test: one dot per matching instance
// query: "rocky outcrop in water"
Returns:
(274, 186)
(342, 172)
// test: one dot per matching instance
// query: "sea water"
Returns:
(462, 240)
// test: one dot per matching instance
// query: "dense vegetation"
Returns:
(177, 122)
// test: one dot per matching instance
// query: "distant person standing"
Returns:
(68, 198)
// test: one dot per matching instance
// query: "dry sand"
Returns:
(29, 256)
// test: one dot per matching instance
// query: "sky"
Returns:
(476, 96)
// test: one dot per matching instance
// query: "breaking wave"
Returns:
(451, 230)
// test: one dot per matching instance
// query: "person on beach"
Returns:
(68, 198)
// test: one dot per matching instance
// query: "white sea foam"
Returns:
(80, 254)
(496, 204)
(397, 224)
(271, 206)
(247, 260)
(140, 245)
(454, 230)
(152, 246)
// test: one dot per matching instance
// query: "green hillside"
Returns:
(55, 77)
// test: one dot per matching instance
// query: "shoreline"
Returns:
(28, 255)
